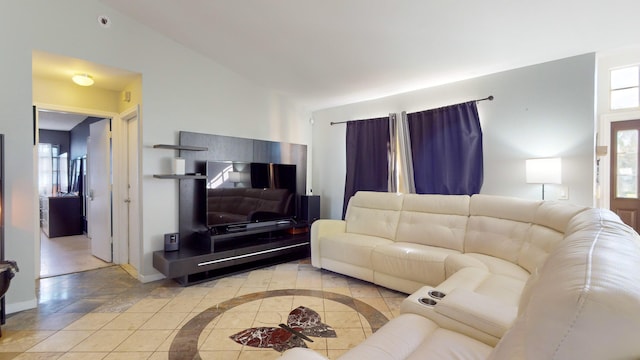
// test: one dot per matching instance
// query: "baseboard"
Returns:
(150, 278)
(21, 306)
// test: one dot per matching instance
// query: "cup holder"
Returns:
(427, 301)
(438, 295)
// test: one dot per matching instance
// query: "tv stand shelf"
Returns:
(205, 257)
(172, 176)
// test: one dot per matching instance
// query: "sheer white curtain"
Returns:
(45, 169)
(392, 160)
(406, 182)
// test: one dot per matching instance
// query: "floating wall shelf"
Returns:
(187, 176)
(180, 147)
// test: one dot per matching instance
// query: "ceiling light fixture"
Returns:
(82, 79)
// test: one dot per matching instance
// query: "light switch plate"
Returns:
(563, 193)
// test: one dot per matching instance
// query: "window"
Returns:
(53, 170)
(625, 86)
(627, 164)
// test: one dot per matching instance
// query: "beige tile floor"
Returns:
(106, 314)
(66, 255)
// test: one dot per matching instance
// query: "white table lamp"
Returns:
(544, 171)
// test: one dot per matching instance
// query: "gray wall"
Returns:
(79, 135)
(55, 137)
(539, 111)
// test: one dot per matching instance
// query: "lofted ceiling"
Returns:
(333, 52)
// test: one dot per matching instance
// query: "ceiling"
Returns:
(333, 52)
(53, 120)
(61, 68)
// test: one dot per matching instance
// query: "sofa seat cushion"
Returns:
(351, 248)
(412, 337)
(505, 289)
(498, 266)
(420, 263)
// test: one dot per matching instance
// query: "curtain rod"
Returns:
(490, 98)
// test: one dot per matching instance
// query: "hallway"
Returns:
(67, 255)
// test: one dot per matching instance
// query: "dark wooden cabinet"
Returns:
(61, 215)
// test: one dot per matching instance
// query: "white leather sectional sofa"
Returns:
(490, 277)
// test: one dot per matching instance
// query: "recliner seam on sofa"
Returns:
(585, 291)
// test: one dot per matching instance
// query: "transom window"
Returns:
(625, 87)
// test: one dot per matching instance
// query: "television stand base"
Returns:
(207, 257)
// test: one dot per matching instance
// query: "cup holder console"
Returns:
(427, 301)
(432, 300)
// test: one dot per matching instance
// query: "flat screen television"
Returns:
(241, 193)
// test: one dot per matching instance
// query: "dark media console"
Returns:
(205, 251)
(212, 256)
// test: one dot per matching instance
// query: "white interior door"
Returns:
(133, 183)
(99, 189)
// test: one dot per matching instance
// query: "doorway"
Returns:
(122, 180)
(131, 214)
(116, 93)
(65, 246)
(625, 184)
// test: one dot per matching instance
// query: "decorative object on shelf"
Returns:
(178, 166)
(544, 171)
(172, 242)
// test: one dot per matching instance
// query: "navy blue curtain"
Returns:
(368, 144)
(446, 146)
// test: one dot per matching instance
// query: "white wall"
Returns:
(539, 111)
(181, 90)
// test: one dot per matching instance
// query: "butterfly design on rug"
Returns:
(302, 322)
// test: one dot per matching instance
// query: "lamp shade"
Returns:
(544, 171)
(234, 176)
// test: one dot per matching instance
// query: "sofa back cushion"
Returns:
(374, 213)
(584, 301)
(498, 226)
(435, 220)
(550, 222)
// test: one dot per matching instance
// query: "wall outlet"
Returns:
(563, 193)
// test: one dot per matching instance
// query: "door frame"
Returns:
(117, 159)
(603, 191)
(122, 208)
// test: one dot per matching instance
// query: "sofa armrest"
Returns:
(321, 228)
(478, 311)
(301, 353)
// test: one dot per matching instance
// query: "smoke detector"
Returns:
(104, 21)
